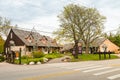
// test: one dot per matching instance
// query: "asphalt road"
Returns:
(87, 70)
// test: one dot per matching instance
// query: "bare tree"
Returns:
(5, 25)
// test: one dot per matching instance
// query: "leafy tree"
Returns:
(5, 25)
(118, 31)
(1, 44)
(80, 23)
(115, 38)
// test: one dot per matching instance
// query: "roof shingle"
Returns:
(37, 38)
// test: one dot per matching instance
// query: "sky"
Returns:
(42, 14)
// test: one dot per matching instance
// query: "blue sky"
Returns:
(42, 14)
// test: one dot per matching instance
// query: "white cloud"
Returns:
(47, 24)
(110, 9)
(15, 3)
(43, 13)
(44, 21)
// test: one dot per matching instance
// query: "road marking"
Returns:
(97, 69)
(50, 75)
(88, 67)
(114, 77)
(108, 71)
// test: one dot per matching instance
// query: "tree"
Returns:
(80, 23)
(5, 25)
(1, 44)
(115, 38)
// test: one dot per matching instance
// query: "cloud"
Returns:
(111, 11)
(44, 21)
(44, 25)
(20, 10)
(43, 13)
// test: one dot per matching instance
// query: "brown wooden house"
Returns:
(98, 45)
(29, 41)
(103, 43)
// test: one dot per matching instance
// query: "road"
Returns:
(86, 70)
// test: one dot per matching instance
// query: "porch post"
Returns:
(20, 56)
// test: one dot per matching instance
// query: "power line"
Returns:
(35, 29)
(52, 32)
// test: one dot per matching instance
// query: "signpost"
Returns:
(104, 52)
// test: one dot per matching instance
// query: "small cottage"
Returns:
(104, 44)
(99, 45)
(29, 41)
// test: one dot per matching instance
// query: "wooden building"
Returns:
(104, 44)
(99, 45)
(29, 41)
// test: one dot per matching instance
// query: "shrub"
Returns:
(25, 57)
(36, 60)
(37, 54)
(1, 58)
(53, 55)
(55, 52)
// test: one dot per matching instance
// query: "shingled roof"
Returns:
(22, 34)
(98, 42)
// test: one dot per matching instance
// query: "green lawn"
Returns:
(26, 60)
(83, 57)
(87, 57)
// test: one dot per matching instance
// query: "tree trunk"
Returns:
(76, 49)
(87, 49)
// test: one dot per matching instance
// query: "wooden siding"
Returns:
(110, 46)
(15, 38)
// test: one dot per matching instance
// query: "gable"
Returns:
(12, 37)
(32, 38)
(110, 46)
(98, 42)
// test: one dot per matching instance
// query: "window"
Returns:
(30, 40)
(44, 49)
(12, 43)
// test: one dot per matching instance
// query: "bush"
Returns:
(35, 60)
(1, 58)
(25, 57)
(53, 55)
(37, 54)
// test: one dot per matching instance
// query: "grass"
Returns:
(83, 57)
(26, 60)
(53, 55)
(88, 57)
